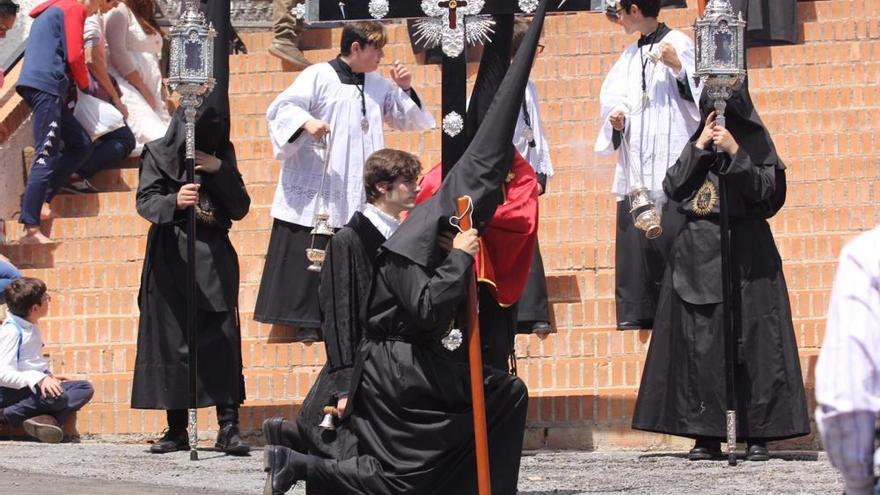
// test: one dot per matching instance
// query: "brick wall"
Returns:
(816, 98)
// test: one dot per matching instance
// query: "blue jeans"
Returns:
(108, 150)
(8, 273)
(54, 124)
(19, 405)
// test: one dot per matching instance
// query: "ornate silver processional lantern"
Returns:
(720, 36)
(191, 75)
(191, 65)
(720, 53)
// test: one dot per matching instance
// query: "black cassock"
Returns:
(683, 383)
(410, 408)
(770, 22)
(160, 374)
(344, 286)
(411, 411)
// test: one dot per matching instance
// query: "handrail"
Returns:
(12, 58)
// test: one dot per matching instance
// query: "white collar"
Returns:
(384, 223)
(19, 321)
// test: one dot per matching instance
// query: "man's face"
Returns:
(365, 58)
(42, 309)
(6, 24)
(401, 194)
(629, 19)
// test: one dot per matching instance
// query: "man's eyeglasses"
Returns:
(613, 10)
(540, 48)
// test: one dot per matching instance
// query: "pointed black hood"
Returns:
(745, 124)
(494, 64)
(480, 173)
(213, 116)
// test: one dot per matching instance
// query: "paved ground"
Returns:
(102, 469)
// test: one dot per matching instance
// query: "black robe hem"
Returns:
(291, 323)
(714, 434)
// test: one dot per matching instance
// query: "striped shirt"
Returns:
(848, 370)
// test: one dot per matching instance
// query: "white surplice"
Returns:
(318, 93)
(539, 155)
(656, 132)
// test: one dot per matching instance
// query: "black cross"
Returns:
(454, 76)
(453, 6)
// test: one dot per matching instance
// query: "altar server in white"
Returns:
(345, 103)
(648, 115)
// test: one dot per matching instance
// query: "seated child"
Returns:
(30, 395)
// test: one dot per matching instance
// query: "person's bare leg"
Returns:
(46, 213)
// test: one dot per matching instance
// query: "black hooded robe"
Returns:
(770, 22)
(160, 375)
(683, 383)
(161, 372)
(342, 292)
(412, 411)
(411, 408)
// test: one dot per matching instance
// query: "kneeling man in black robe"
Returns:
(683, 390)
(390, 183)
(410, 408)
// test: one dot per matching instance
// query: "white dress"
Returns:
(131, 49)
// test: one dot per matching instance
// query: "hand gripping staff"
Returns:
(475, 360)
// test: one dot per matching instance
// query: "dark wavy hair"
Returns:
(649, 8)
(386, 165)
(364, 33)
(8, 7)
(23, 294)
(145, 13)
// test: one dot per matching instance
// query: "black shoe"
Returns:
(705, 450)
(635, 325)
(79, 185)
(306, 335)
(171, 441)
(229, 441)
(272, 430)
(284, 467)
(757, 452)
(542, 327)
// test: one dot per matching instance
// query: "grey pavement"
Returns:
(125, 469)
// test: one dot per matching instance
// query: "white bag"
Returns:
(96, 116)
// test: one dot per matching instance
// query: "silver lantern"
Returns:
(191, 76)
(720, 35)
(191, 65)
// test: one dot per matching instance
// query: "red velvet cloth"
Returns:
(507, 246)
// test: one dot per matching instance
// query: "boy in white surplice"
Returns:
(648, 115)
(345, 102)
